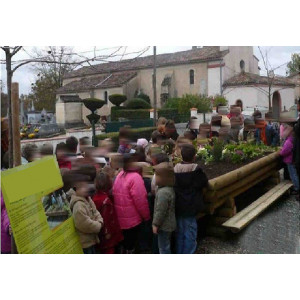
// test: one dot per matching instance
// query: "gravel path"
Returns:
(276, 231)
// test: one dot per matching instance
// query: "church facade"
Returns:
(207, 70)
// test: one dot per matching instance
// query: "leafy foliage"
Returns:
(232, 153)
(143, 96)
(294, 65)
(117, 99)
(219, 100)
(188, 101)
(137, 103)
(172, 103)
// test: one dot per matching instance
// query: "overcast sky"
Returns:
(25, 75)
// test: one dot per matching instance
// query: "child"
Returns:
(190, 181)
(164, 220)
(130, 201)
(87, 219)
(61, 155)
(287, 155)
(110, 234)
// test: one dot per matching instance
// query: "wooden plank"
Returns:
(243, 218)
(253, 205)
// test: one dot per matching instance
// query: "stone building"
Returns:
(207, 70)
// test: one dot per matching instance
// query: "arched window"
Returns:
(192, 76)
(106, 97)
(242, 65)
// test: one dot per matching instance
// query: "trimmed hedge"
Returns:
(137, 104)
(117, 99)
(142, 114)
(136, 134)
(130, 114)
(93, 104)
(144, 97)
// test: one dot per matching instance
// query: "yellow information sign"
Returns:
(23, 188)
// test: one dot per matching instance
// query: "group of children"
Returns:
(119, 205)
(112, 208)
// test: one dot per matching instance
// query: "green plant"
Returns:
(143, 96)
(117, 99)
(93, 104)
(219, 100)
(172, 103)
(217, 149)
(137, 103)
(130, 114)
(188, 101)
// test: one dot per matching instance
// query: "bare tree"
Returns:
(48, 57)
(270, 72)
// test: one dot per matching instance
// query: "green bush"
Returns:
(135, 135)
(220, 100)
(172, 103)
(117, 99)
(137, 103)
(93, 103)
(188, 101)
(142, 114)
(130, 114)
(143, 96)
(217, 149)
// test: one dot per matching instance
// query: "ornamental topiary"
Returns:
(93, 104)
(117, 99)
(137, 103)
(143, 96)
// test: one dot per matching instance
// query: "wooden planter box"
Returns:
(223, 189)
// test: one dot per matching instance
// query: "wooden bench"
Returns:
(244, 217)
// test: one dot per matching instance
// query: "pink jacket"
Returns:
(5, 237)
(287, 150)
(130, 199)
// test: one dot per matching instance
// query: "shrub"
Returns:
(172, 103)
(143, 96)
(217, 149)
(137, 103)
(130, 114)
(142, 114)
(135, 134)
(93, 103)
(220, 100)
(117, 99)
(188, 101)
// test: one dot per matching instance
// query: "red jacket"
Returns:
(110, 234)
(64, 164)
(130, 199)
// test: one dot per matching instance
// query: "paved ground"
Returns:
(276, 231)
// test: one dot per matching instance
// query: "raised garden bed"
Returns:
(222, 190)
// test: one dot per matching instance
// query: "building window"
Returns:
(192, 76)
(242, 65)
(106, 97)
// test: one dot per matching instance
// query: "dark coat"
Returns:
(189, 192)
